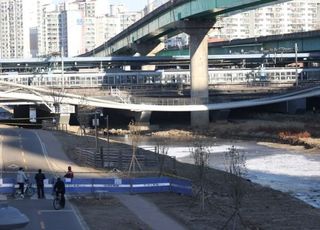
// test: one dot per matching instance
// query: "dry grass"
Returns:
(263, 208)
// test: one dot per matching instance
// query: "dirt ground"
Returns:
(260, 208)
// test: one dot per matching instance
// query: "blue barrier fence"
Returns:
(114, 185)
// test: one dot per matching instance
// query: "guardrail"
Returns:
(113, 185)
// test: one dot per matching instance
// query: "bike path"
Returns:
(148, 212)
(43, 216)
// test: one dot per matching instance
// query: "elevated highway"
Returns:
(169, 19)
(194, 17)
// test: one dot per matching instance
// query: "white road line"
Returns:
(42, 225)
(82, 223)
(1, 156)
(45, 153)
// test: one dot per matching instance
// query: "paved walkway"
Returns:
(148, 212)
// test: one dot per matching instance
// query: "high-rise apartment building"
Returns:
(288, 17)
(49, 29)
(14, 29)
(77, 26)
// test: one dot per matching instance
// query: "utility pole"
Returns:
(96, 130)
(296, 64)
(107, 117)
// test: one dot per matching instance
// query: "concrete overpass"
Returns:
(194, 17)
(273, 44)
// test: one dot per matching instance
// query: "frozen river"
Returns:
(288, 169)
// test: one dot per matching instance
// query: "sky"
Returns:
(131, 4)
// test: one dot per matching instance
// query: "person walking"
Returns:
(21, 179)
(40, 177)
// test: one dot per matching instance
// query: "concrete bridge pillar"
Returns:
(143, 117)
(198, 45)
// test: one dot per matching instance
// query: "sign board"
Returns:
(95, 121)
(32, 114)
(63, 108)
(66, 108)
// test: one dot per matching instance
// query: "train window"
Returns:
(134, 79)
(100, 80)
(140, 79)
(117, 79)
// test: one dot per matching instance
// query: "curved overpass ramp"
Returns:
(45, 96)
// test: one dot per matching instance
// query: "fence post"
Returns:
(120, 160)
(101, 156)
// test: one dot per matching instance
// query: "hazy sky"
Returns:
(132, 4)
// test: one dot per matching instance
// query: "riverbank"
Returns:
(262, 208)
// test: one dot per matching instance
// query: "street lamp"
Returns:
(107, 118)
(296, 62)
(96, 127)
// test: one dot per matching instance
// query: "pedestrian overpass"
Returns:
(22, 94)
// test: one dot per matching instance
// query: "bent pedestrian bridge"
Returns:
(31, 95)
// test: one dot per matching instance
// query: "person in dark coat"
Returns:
(59, 189)
(40, 177)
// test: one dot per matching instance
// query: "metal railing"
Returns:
(169, 101)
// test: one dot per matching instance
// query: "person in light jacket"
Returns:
(21, 179)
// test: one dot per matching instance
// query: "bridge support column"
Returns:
(143, 117)
(199, 75)
(198, 43)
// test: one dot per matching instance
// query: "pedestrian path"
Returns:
(148, 212)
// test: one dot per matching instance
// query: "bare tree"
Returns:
(162, 150)
(235, 165)
(200, 153)
(83, 120)
(135, 134)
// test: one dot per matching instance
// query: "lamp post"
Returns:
(96, 129)
(107, 117)
(296, 64)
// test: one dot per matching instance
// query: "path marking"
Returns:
(45, 153)
(42, 225)
(1, 156)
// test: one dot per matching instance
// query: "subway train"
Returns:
(162, 77)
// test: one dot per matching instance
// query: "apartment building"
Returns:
(14, 29)
(77, 26)
(288, 17)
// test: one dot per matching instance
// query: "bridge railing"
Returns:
(169, 101)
